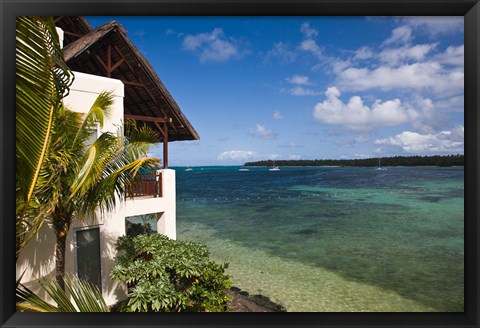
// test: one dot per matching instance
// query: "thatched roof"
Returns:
(106, 51)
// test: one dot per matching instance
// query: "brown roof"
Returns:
(106, 51)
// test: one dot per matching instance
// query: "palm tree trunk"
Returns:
(61, 226)
(60, 259)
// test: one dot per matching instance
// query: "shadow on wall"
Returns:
(113, 290)
(37, 260)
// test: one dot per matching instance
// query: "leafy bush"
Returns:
(169, 275)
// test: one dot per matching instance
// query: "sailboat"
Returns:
(274, 168)
(380, 168)
(188, 169)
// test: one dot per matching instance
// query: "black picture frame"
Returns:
(470, 9)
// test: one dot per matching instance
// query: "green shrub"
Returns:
(170, 275)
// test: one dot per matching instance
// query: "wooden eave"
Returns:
(106, 51)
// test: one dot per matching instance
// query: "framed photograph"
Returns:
(322, 156)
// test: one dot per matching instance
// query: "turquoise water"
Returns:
(333, 238)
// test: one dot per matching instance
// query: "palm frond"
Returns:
(85, 297)
(42, 78)
(93, 165)
(99, 110)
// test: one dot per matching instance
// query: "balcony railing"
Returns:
(146, 185)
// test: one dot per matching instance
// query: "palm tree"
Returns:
(42, 80)
(77, 178)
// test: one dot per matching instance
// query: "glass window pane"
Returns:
(88, 256)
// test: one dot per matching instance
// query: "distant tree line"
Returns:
(449, 160)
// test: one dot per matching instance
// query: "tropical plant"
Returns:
(79, 296)
(77, 178)
(42, 80)
(168, 275)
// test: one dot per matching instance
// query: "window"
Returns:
(88, 256)
(141, 224)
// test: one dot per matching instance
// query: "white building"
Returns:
(104, 59)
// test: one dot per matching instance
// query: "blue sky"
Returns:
(308, 87)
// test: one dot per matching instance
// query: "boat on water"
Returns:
(188, 169)
(380, 167)
(274, 168)
(243, 169)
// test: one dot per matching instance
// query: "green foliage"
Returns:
(165, 275)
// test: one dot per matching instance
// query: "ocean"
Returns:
(333, 239)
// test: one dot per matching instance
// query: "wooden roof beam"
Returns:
(73, 34)
(161, 129)
(149, 118)
(135, 84)
(109, 67)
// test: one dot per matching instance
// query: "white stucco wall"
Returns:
(86, 88)
(60, 36)
(166, 205)
(37, 259)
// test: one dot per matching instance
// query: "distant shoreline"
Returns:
(441, 161)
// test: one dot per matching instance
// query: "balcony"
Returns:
(146, 185)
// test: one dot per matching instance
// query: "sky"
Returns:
(257, 88)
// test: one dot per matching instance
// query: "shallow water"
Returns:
(331, 238)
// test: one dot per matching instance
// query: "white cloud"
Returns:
(401, 65)
(262, 132)
(356, 116)
(364, 53)
(400, 35)
(398, 55)
(312, 47)
(277, 115)
(299, 80)
(338, 65)
(443, 142)
(436, 25)
(428, 75)
(452, 56)
(425, 116)
(282, 52)
(213, 46)
(451, 104)
(308, 31)
(294, 157)
(301, 91)
(236, 155)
